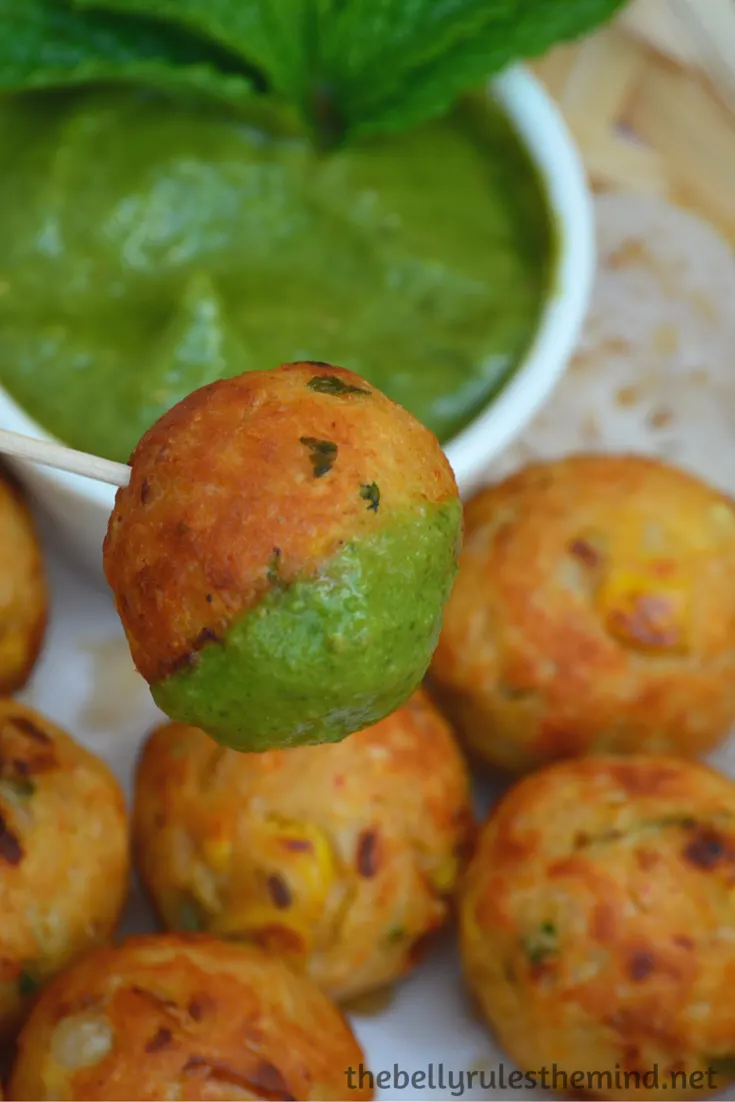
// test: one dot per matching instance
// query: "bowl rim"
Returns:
(546, 137)
(544, 133)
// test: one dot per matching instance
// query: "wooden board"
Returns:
(651, 102)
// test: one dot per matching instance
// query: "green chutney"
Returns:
(326, 656)
(148, 248)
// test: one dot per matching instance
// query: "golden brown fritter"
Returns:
(597, 924)
(23, 592)
(177, 1017)
(340, 857)
(64, 855)
(228, 486)
(594, 611)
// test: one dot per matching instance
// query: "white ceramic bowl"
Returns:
(80, 508)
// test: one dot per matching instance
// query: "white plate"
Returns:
(85, 681)
(677, 355)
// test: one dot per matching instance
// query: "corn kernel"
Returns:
(204, 888)
(443, 877)
(217, 852)
(305, 856)
(647, 606)
(290, 875)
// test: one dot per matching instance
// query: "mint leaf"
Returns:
(277, 36)
(45, 44)
(361, 67)
(432, 51)
(283, 39)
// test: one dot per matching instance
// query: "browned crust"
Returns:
(225, 491)
(12, 682)
(594, 610)
(192, 1011)
(628, 866)
(63, 838)
(22, 562)
(367, 826)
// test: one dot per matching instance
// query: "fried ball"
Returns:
(184, 1017)
(64, 855)
(282, 556)
(597, 925)
(23, 592)
(594, 612)
(340, 857)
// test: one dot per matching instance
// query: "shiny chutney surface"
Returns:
(148, 249)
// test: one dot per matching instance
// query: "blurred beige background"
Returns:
(651, 101)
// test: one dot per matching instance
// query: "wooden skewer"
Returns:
(64, 459)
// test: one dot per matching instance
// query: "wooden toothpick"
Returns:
(63, 459)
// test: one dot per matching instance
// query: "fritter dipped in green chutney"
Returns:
(282, 556)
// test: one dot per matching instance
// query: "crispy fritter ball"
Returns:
(23, 592)
(184, 1017)
(342, 858)
(597, 925)
(594, 612)
(64, 855)
(282, 556)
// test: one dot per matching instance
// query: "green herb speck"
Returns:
(330, 384)
(27, 985)
(371, 494)
(395, 935)
(22, 786)
(272, 573)
(541, 944)
(190, 919)
(323, 454)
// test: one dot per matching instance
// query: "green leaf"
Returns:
(281, 38)
(391, 38)
(423, 76)
(359, 67)
(350, 67)
(45, 44)
(275, 35)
